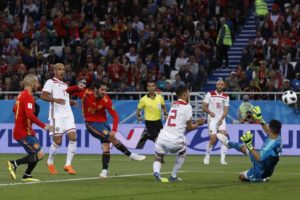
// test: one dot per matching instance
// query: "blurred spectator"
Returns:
(245, 107)
(295, 85)
(286, 68)
(178, 82)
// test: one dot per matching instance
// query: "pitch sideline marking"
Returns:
(122, 176)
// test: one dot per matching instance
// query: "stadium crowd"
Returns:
(127, 42)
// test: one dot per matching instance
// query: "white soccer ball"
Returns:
(289, 97)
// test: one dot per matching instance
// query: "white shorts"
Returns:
(163, 146)
(212, 125)
(62, 125)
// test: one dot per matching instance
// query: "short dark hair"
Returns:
(97, 84)
(180, 90)
(151, 81)
(275, 126)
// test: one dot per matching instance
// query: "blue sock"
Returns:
(235, 145)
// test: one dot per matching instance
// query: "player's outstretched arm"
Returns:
(46, 96)
(258, 116)
(193, 125)
(247, 139)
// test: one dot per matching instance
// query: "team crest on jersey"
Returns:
(57, 129)
(105, 132)
(36, 146)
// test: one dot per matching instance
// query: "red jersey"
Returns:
(93, 109)
(24, 116)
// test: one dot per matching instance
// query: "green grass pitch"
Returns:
(133, 180)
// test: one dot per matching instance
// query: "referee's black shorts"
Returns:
(153, 128)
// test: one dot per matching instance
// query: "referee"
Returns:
(152, 104)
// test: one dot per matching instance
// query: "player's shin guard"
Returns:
(30, 167)
(207, 153)
(26, 160)
(178, 164)
(52, 152)
(105, 159)
(156, 166)
(223, 153)
(122, 148)
(71, 152)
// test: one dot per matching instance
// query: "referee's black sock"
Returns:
(30, 167)
(27, 159)
(122, 148)
(105, 159)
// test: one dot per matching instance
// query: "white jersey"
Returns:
(175, 126)
(57, 89)
(216, 103)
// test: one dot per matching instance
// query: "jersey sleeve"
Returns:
(29, 111)
(141, 104)
(188, 113)
(207, 98)
(48, 87)
(227, 101)
(114, 115)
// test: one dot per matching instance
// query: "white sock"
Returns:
(223, 151)
(156, 166)
(177, 165)
(71, 152)
(53, 150)
(208, 150)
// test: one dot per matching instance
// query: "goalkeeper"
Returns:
(263, 160)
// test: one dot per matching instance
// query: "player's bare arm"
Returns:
(193, 125)
(138, 114)
(205, 109)
(46, 96)
(225, 112)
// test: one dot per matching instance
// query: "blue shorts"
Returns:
(99, 130)
(30, 144)
(254, 174)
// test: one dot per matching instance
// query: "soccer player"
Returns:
(216, 105)
(264, 160)
(24, 110)
(61, 117)
(171, 138)
(152, 104)
(95, 102)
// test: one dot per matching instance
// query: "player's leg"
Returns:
(55, 145)
(33, 148)
(160, 151)
(105, 160)
(72, 136)
(223, 148)
(229, 144)
(178, 164)
(151, 133)
(212, 129)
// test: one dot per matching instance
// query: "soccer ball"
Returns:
(289, 97)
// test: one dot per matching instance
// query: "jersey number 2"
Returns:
(171, 117)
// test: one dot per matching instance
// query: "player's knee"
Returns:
(105, 147)
(242, 177)
(72, 136)
(57, 140)
(159, 157)
(40, 155)
(182, 153)
(213, 139)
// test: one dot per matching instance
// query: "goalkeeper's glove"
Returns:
(247, 139)
(257, 115)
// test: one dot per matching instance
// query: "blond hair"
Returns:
(30, 80)
(57, 65)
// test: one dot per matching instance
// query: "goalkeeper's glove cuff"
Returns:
(249, 146)
(262, 121)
